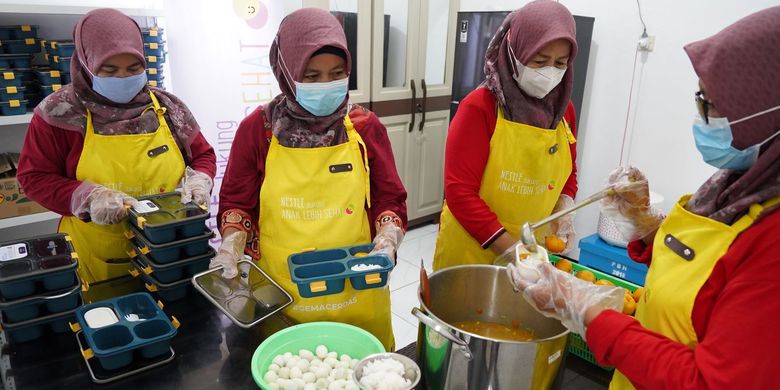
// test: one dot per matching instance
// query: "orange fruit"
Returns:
(638, 293)
(586, 275)
(554, 244)
(604, 282)
(564, 265)
(629, 304)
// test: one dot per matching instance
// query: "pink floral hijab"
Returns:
(532, 27)
(99, 35)
(739, 68)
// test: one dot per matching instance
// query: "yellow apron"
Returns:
(303, 204)
(685, 251)
(123, 163)
(524, 176)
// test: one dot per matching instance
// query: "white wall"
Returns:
(660, 143)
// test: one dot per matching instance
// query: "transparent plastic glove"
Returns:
(560, 295)
(629, 208)
(388, 238)
(563, 227)
(230, 252)
(196, 187)
(98, 204)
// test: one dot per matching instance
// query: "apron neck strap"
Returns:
(753, 213)
(353, 135)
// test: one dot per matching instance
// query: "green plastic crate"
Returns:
(577, 345)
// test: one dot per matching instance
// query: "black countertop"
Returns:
(210, 353)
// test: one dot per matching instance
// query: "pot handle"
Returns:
(441, 329)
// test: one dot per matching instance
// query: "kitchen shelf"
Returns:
(70, 10)
(27, 219)
(16, 119)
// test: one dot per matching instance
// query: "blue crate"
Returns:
(172, 272)
(24, 31)
(613, 260)
(172, 251)
(15, 60)
(48, 76)
(115, 345)
(152, 35)
(22, 46)
(60, 63)
(10, 78)
(171, 221)
(324, 272)
(153, 49)
(12, 93)
(13, 107)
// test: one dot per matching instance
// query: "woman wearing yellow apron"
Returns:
(95, 145)
(708, 317)
(510, 149)
(308, 170)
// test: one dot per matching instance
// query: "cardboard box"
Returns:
(13, 202)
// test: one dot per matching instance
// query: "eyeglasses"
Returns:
(703, 105)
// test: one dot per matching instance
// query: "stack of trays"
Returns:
(58, 54)
(171, 243)
(324, 272)
(39, 286)
(18, 43)
(154, 50)
(48, 81)
(124, 333)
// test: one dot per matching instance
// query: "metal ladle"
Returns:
(527, 231)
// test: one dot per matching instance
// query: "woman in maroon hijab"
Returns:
(311, 170)
(96, 144)
(510, 154)
(710, 311)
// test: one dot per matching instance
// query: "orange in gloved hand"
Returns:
(554, 244)
(586, 276)
(638, 293)
(629, 304)
(604, 282)
(564, 265)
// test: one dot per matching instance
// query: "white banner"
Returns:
(219, 65)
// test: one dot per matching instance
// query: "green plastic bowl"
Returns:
(338, 337)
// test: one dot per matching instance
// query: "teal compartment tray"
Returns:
(12, 93)
(22, 332)
(324, 272)
(60, 47)
(15, 60)
(139, 364)
(172, 272)
(169, 292)
(141, 328)
(41, 305)
(152, 35)
(164, 218)
(48, 76)
(22, 31)
(172, 251)
(36, 265)
(22, 46)
(153, 49)
(154, 74)
(60, 63)
(10, 78)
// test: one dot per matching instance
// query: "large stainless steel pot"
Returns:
(453, 359)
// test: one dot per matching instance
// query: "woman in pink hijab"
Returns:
(510, 153)
(98, 143)
(709, 315)
(311, 170)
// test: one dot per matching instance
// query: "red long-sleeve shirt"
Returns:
(50, 155)
(736, 316)
(466, 155)
(245, 170)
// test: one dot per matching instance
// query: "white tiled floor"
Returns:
(419, 243)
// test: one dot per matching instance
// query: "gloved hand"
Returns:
(561, 295)
(229, 253)
(563, 227)
(99, 204)
(388, 238)
(196, 186)
(629, 208)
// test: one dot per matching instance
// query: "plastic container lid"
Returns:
(247, 299)
(36, 256)
(100, 317)
(167, 209)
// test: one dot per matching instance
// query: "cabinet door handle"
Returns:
(413, 111)
(424, 104)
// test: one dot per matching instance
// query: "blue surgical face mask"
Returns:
(119, 89)
(321, 99)
(714, 143)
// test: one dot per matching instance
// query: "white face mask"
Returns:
(536, 82)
